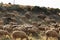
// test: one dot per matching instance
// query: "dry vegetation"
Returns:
(19, 22)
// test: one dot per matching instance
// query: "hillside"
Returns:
(20, 14)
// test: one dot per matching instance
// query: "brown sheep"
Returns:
(28, 30)
(42, 16)
(27, 15)
(43, 28)
(52, 33)
(8, 28)
(34, 31)
(56, 29)
(56, 25)
(19, 34)
(34, 23)
(19, 28)
(1, 22)
(1, 27)
(4, 33)
(27, 8)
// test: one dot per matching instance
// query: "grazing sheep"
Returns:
(3, 32)
(14, 26)
(34, 31)
(27, 15)
(42, 16)
(8, 28)
(28, 30)
(56, 29)
(1, 22)
(43, 28)
(34, 23)
(27, 8)
(19, 34)
(18, 28)
(56, 26)
(1, 27)
(23, 28)
(52, 33)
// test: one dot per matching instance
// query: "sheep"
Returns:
(34, 23)
(8, 28)
(56, 26)
(4, 33)
(14, 26)
(19, 28)
(43, 28)
(27, 8)
(52, 33)
(27, 15)
(42, 16)
(19, 34)
(34, 31)
(28, 29)
(22, 28)
(56, 29)
(1, 27)
(1, 22)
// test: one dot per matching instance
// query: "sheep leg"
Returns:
(58, 38)
(50, 38)
(27, 38)
(21, 38)
(14, 38)
(31, 39)
(46, 38)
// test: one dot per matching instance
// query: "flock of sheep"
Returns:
(23, 31)
(14, 31)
